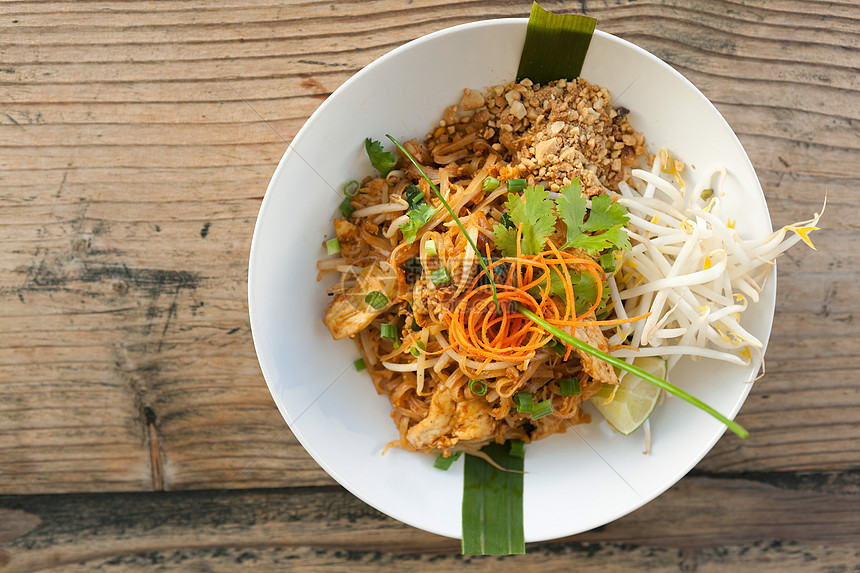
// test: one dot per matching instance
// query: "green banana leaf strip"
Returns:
(493, 503)
(555, 47)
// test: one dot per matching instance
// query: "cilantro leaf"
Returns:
(605, 214)
(606, 220)
(534, 212)
(571, 207)
(382, 161)
(506, 240)
(585, 291)
(418, 217)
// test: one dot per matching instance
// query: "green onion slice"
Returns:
(524, 402)
(607, 261)
(541, 409)
(376, 299)
(490, 184)
(430, 248)
(346, 207)
(493, 503)
(389, 331)
(440, 276)
(332, 246)
(454, 215)
(659, 382)
(569, 387)
(555, 46)
(351, 188)
(414, 196)
(359, 364)
(516, 185)
(478, 387)
(415, 349)
(443, 463)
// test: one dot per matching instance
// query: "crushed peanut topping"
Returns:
(547, 134)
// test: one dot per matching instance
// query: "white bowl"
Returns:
(575, 481)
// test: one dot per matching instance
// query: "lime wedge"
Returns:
(634, 399)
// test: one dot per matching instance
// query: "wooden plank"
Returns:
(767, 557)
(715, 523)
(133, 158)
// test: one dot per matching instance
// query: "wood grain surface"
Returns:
(136, 142)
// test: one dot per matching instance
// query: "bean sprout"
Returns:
(690, 269)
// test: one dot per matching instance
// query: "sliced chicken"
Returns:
(349, 314)
(595, 367)
(473, 420)
(426, 433)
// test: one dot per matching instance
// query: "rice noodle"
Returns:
(394, 207)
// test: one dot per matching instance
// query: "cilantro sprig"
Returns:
(382, 161)
(533, 213)
(418, 217)
(602, 229)
(596, 229)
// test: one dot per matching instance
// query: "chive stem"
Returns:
(454, 215)
(648, 377)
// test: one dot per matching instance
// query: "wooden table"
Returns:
(136, 431)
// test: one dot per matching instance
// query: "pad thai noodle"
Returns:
(532, 173)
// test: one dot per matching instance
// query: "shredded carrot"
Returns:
(478, 329)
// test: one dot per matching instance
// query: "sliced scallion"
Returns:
(414, 196)
(516, 185)
(359, 364)
(376, 299)
(541, 409)
(524, 401)
(490, 184)
(346, 207)
(389, 331)
(351, 188)
(332, 246)
(607, 261)
(416, 349)
(478, 387)
(430, 248)
(443, 463)
(440, 276)
(569, 387)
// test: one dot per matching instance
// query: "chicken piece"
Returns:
(426, 433)
(349, 314)
(593, 366)
(473, 420)
(347, 237)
